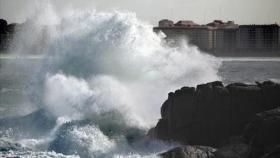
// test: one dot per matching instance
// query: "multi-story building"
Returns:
(225, 38)
(259, 37)
(188, 30)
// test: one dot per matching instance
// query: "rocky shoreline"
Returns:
(217, 121)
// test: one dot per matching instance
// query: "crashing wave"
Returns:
(101, 81)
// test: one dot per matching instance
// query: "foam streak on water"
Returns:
(107, 74)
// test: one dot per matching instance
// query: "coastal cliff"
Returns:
(237, 117)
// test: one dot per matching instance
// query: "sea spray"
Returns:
(108, 74)
(123, 54)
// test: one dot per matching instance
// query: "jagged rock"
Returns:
(3, 34)
(246, 101)
(275, 153)
(212, 112)
(7, 34)
(263, 133)
(3, 26)
(235, 148)
(161, 130)
(271, 93)
(212, 109)
(151, 134)
(190, 152)
(261, 139)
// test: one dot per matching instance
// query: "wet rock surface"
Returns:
(189, 152)
(212, 112)
(240, 120)
(263, 133)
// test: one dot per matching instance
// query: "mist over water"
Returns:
(103, 77)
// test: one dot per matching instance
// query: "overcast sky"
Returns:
(200, 11)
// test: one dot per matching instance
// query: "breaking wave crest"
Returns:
(102, 78)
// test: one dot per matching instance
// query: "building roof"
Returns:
(216, 24)
(225, 25)
(186, 23)
(261, 26)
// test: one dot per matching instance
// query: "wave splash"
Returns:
(103, 77)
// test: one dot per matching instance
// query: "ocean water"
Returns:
(13, 83)
(14, 101)
(97, 82)
(249, 70)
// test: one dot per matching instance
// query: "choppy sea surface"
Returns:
(14, 81)
(249, 70)
(14, 102)
(14, 98)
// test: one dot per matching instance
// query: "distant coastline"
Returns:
(7, 34)
(225, 39)
(218, 38)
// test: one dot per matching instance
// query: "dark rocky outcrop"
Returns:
(212, 112)
(260, 139)
(7, 32)
(235, 147)
(189, 152)
(274, 153)
(3, 26)
(263, 133)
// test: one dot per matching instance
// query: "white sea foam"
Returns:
(27, 154)
(110, 68)
(124, 55)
